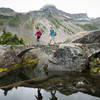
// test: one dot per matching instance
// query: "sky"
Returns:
(91, 7)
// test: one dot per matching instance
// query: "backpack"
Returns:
(55, 34)
(40, 33)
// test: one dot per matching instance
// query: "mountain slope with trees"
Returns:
(65, 24)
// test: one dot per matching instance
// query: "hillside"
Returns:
(65, 24)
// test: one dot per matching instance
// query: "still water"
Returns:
(24, 93)
(65, 86)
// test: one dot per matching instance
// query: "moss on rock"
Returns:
(32, 62)
(3, 69)
(94, 65)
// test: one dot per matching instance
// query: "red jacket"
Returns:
(38, 33)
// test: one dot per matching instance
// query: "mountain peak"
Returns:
(48, 7)
(80, 16)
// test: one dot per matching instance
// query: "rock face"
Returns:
(10, 61)
(91, 37)
(71, 57)
(8, 57)
(91, 41)
(81, 16)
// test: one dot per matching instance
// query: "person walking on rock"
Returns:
(38, 34)
(52, 35)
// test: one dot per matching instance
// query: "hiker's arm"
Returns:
(55, 32)
(36, 33)
(49, 33)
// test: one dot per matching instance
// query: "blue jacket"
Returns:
(51, 32)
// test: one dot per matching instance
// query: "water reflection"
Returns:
(55, 88)
(39, 96)
(53, 95)
(22, 93)
(6, 91)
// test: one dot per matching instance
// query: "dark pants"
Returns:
(38, 37)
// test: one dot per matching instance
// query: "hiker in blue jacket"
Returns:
(52, 35)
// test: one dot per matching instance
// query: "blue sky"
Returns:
(91, 7)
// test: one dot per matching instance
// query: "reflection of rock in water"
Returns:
(66, 84)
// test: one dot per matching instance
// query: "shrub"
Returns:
(9, 39)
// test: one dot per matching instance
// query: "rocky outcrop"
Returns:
(69, 57)
(81, 16)
(91, 41)
(72, 57)
(91, 37)
(9, 60)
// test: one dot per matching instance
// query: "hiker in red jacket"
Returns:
(38, 34)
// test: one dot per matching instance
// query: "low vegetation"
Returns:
(15, 21)
(9, 39)
(4, 19)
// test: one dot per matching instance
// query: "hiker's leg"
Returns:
(38, 37)
(50, 39)
(54, 40)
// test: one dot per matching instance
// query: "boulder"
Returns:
(14, 57)
(72, 57)
(69, 57)
(89, 38)
(91, 41)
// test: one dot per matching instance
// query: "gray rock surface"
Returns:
(69, 57)
(72, 57)
(90, 37)
(8, 55)
(62, 57)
